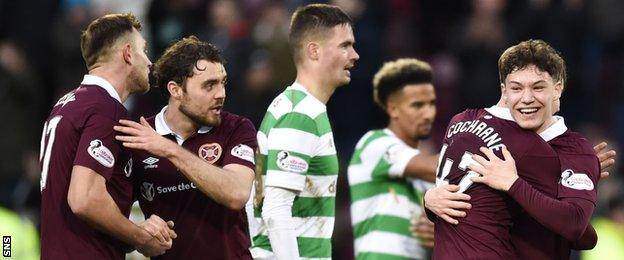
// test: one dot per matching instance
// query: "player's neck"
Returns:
(315, 86)
(179, 123)
(548, 123)
(112, 76)
(394, 127)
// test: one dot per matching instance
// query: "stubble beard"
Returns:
(198, 119)
(139, 84)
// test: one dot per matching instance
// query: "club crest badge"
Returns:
(210, 152)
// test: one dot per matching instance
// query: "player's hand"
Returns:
(153, 247)
(159, 229)
(447, 203)
(142, 136)
(161, 233)
(422, 229)
(496, 173)
(606, 157)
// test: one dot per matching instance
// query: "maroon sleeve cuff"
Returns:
(516, 188)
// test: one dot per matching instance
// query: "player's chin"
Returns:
(214, 120)
(423, 134)
(528, 124)
(345, 80)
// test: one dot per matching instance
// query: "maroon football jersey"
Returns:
(577, 178)
(484, 232)
(79, 131)
(206, 229)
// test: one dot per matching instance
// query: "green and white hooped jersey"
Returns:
(382, 199)
(297, 152)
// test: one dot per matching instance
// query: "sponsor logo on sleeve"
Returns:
(291, 163)
(210, 152)
(243, 152)
(147, 190)
(576, 180)
(101, 153)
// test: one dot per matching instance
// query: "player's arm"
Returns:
(501, 174)
(587, 241)
(422, 166)
(89, 199)
(403, 161)
(277, 215)
(229, 186)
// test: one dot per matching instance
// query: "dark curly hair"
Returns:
(178, 61)
(532, 52)
(395, 75)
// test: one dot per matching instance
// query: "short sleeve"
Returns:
(398, 156)
(242, 145)
(579, 176)
(291, 145)
(97, 148)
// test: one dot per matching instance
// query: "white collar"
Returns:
(163, 129)
(298, 86)
(500, 112)
(99, 81)
(556, 129)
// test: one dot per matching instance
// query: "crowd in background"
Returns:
(40, 60)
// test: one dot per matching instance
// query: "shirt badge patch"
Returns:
(243, 152)
(101, 153)
(147, 190)
(210, 152)
(577, 181)
(291, 163)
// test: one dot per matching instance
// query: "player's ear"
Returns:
(558, 89)
(127, 53)
(312, 50)
(175, 90)
(392, 109)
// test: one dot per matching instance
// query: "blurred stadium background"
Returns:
(40, 60)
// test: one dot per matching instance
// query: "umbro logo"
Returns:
(150, 163)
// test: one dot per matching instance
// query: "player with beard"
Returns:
(298, 155)
(194, 163)
(387, 172)
(85, 179)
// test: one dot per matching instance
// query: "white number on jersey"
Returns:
(447, 164)
(49, 129)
